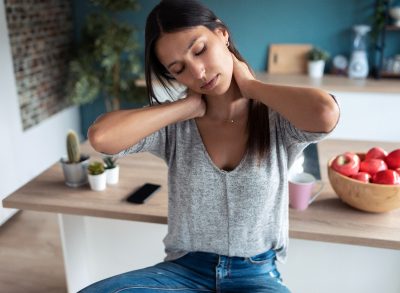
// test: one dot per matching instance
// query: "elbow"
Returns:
(96, 139)
(329, 116)
(100, 141)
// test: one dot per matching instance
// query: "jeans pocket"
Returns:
(263, 258)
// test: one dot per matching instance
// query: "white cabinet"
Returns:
(97, 248)
(368, 116)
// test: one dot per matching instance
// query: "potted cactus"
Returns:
(112, 169)
(74, 166)
(97, 176)
(316, 62)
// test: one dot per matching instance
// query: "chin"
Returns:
(222, 88)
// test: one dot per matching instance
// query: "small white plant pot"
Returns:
(112, 175)
(98, 182)
(316, 68)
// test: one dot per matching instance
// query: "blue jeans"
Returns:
(200, 272)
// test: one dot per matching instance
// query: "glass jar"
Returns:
(396, 64)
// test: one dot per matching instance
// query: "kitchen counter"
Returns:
(327, 219)
(101, 235)
(334, 83)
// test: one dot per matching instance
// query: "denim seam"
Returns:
(160, 288)
(216, 275)
(229, 267)
(259, 262)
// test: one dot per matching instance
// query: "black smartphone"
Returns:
(143, 193)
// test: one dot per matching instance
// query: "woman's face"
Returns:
(198, 58)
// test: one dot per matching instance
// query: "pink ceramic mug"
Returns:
(301, 190)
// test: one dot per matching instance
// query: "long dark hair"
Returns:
(176, 15)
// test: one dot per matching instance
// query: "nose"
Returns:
(197, 70)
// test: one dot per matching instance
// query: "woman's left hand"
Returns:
(243, 76)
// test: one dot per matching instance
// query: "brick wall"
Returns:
(40, 34)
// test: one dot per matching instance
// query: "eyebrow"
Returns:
(188, 48)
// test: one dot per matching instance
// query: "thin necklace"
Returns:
(234, 120)
(230, 121)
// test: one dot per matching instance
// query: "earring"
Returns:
(227, 44)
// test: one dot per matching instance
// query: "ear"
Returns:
(222, 34)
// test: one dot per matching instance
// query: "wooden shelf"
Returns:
(390, 74)
(393, 28)
(382, 9)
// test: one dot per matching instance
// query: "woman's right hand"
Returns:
(196, 103)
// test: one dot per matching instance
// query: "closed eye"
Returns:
(180, 71)
(196, 54)
(201, 51)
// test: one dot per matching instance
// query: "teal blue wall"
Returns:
(256, 23)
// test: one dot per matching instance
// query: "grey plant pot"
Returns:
(75, 174)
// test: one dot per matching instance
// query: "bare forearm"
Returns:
(309, 109)
(118, 130)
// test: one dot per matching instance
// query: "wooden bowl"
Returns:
(368, 197)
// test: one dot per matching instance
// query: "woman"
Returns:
(228, 146)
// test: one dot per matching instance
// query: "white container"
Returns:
(112, 175)
(358, 66)
(316, 68)
(98, 182)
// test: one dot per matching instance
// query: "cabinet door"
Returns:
(368, 116)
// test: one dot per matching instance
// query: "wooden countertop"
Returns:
(334, 83)
(327, 219)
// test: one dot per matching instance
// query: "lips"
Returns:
(210, 84)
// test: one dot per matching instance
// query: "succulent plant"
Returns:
(110, 162)
(73, 148)
(316, 54)
(96, 168)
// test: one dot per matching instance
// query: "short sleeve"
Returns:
(295, 139)
(157, 143)
(295, 135)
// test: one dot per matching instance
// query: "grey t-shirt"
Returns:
(242, 212)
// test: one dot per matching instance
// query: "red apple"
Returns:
(398, 170)
(372, 166)
(362, 176)
(393, 159)
(346, 164)
(354, 156)
(386, 177)
(376, 153)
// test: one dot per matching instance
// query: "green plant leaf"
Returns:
(106, 61)
(316, 54)
(96, 168)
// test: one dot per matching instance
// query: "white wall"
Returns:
(25, 154)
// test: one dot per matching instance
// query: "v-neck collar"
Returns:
(208, 157)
